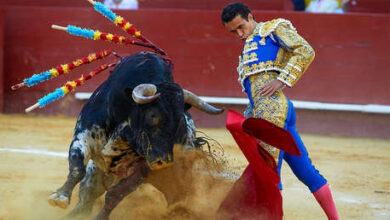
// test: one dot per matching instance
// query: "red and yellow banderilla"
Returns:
(68, 87)
(60, 70)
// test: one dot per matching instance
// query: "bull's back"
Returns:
(142, 67)
(109, 103)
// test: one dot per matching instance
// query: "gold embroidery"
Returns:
(250, 37)
(250, 56)
(273, 108)
(299, 53)
(268, 27)
(270, 65)
(294, 51)
(250, 47)
(295, 54)
(247, 58)
(262, 41)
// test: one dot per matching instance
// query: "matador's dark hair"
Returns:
(234, 9)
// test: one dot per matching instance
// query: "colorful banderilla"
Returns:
(68, 87)
(60, 70)
(125, 25)
(97, 35)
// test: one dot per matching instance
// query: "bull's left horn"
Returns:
(198, 103)
(145, 93)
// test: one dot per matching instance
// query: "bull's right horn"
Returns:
(145, 93)
(198, 103)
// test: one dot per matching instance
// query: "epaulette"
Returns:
(268, 27)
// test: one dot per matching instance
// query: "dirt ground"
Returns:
(33, 164)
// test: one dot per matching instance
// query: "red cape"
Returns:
(255, 195)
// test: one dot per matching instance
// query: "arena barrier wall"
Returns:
(1, 61)
(161, 4)
(365, 6)
(369, 6)
(46, 3)
(278, 5)
(350, 66)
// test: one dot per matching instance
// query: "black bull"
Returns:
(128, 127)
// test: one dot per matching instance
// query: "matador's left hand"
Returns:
(270, 88)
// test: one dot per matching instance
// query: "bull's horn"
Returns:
(145, 93)
(198, 103)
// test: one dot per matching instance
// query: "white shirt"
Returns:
(121, 4)
(324, 6)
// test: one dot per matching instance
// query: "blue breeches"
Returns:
(300, 165)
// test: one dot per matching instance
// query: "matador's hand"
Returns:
(270, 88)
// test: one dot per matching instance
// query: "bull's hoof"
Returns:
(60, 200)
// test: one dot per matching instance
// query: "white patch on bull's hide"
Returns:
(97, 93)
(90, 167)
(96, 140)
(93, 178)
(129, 122)
(190, 132)
(124, 124)
(90, 142)
(94, 144)
(78, 123)
(80, 142)
(108, 148)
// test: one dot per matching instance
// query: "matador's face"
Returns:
(241, 27)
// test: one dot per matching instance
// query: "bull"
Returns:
(127, 128)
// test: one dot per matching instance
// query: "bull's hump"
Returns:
(142, 67)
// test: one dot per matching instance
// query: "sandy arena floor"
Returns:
(33, 163)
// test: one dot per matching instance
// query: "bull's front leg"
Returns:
(136, 175)
(77, 169)
(94, 184)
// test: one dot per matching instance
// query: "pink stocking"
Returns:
(324, 198)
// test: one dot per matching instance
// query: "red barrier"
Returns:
(365, 6)
(1, 62)
(370, 6)
(46, 3)
(161, 4)
(350, 65)
(211, 5)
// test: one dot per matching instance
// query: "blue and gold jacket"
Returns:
(273, 51)
(275, 46)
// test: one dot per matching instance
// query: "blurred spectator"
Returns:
(299, 5)
(325, 6)
(121, 4)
